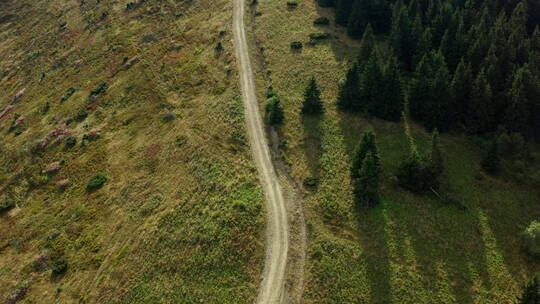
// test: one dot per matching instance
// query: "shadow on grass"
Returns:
(312, 143)
(376, 255)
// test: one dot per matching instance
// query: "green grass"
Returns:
(180, 218)
(410, 248)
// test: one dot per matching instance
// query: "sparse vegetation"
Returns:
(97, 181)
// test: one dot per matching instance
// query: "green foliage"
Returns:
(367, 144)
(71, 142)
(367, 184)
(491, 162)
(68, 94)
(100, 89)
(296, 45)
(531, 238)
(321, 21)
(5, 206)
(326, 3)
(318, 36)
(274, 111)
(97, 181)
(349, 91)
(530, 293)
(312, 103)
(58, 264)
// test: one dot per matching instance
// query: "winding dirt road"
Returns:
(272, 286)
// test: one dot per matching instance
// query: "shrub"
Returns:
(274, 111)
(311, 182)
(71, 142)
(531, 238)
(58, 264)
(319, 36)
(168, 116)
(296, 45)
(7, 205)
(97, 181)
(292, 4)
(321, 21)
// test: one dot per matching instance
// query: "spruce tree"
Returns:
(274, 110)
(436, 157)
(367, 183)
(343, 10)
(349, 91)
(367, 144)
(419, 93)
(461, 89)
(530, 293)
(401, 38)
(358, 18)
(491, 162)
(442, 104)
(380, 15)
(480, 116)
(366, 47)
(391, 96)
(312, 99)
(371, 85)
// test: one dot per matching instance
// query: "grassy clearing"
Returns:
(410, 248)
(179, 218)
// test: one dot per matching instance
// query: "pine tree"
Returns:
(380, 15)
(391, 101)
(442, 104)
(491, 162)
(401, 38)
(461, 89)
(480, 116)
(343, 10)
(312, 99)
(367, 144)
(371, 85)
(274, 110)
(349, 91)
(523, 115)
(358, 18)
(436, 158)
(419, 93)
(530, 293)
(367, 183)
(366, 47)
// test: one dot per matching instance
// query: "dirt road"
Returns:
(272, 286)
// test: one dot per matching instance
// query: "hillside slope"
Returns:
(410, 248)
(143, 97)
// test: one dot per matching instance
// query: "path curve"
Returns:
(277, 245)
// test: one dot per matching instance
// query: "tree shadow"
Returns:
(376, 255)
(311, 143)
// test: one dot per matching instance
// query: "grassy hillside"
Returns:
(410, 248)
(140, 94)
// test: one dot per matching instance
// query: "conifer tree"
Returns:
(358, 18)
(401, 38)
(349, 91)
(436, 158)
(366, 47)
(442, 104)
(274, 110)
(491, 161)
(391, 96)
(312, 99)
(343, 10)
(380, 15)
(530, 293)
(461, 88)
(367, 144)
(480, 116)
(367, 183)
(371, 85)
(419, 93)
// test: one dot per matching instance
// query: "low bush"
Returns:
(321, 21)
(58, 264)
(296, 45)
(292, 4)
(319, 36)
(7, 205)
(97, 181)
(71, 142)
